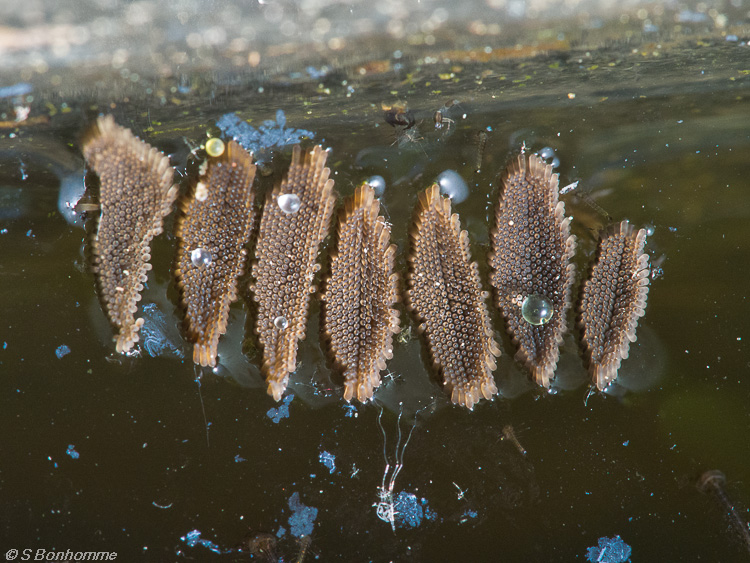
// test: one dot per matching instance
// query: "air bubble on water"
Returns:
(453, 185)
(377, 183)
(280, 322)
(200, 257)
(547, 152)
(536, 310)
(289, 203)
(214, 147)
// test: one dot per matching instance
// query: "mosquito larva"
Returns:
(510, 435)
(712, 482)
(481, 142)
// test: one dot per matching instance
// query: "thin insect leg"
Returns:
(200, 396)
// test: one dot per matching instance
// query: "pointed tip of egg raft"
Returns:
(444, 288)
(529, 204)
(132, 215)
(613, 299)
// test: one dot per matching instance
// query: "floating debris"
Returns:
(613, 299)
(286, 263)
(212, 234)
(62, 351)
(359, 321)
(193, 538)
(272, 134)
(609, 550)
(276, 414)
(328, 460)
(531, 252)
(136, 194)
(303, 517)
(410, 511)
(159, 336)
(445, 293)
(71, 451)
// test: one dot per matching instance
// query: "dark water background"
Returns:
(656, 135)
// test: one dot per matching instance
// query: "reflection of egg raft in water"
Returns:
(212, 231)
(136, 194)
(612, 301)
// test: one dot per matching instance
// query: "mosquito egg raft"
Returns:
(289, 203)
(281, 323)
(377, 183)
(453, 185)
(536, 310)
(214, 147)
(200, 257)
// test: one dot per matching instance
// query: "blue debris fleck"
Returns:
(18, 89)
(281, 533)
(239, 459)
(351, 411)
(302, 518)
(276, 414)
(260, 141)
(609, 550)
(317, 74)
(193, 538)
(62, 351)
(410, 512)
(467, 515)
(329, 460)
(71, 451)
(157, 336)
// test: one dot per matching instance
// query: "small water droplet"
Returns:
(377, 183)
(201, 257)
(289, 203)
(547, 152)
(453, 185)
(214, 147)
(280, 322)
(536, 310)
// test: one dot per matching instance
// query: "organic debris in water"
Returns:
(531, 252)
(445, 294)
(286, 262)
(214, 227)
(271, 134)
(613, 299)
(609, 550)
(136, 194)
(359, 321)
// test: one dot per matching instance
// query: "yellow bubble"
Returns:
(215, 146)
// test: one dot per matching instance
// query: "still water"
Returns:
(152, 459)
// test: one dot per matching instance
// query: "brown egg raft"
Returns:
(612, 301)
(296, 218)
(215, 224)
(531, 257)
(446, 296)
(358, 319)
(136, 193)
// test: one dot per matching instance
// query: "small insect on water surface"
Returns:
(399, 114)
(510, 435)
